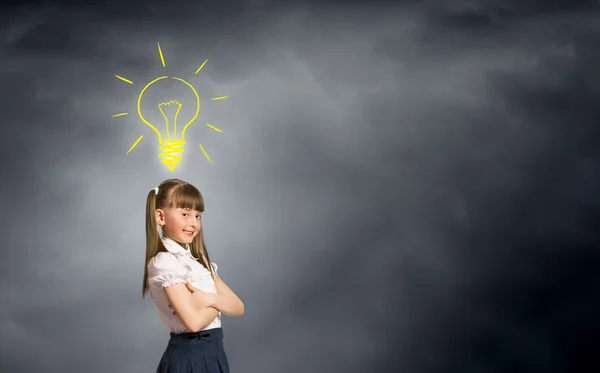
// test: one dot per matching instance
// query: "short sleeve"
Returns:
(165, 270)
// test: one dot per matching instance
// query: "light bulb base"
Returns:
(170, 153)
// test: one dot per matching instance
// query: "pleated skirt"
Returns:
(200, 352)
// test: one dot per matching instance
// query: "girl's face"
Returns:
(179, 224)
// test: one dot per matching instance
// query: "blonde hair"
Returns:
(172, 193)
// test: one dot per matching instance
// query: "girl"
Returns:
(180, 276)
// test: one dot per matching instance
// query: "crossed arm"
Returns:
(225, 300)
(197, 309)
(181, 301)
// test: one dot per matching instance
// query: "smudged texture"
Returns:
(398, 188)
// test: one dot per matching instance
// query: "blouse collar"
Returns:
(175, 248)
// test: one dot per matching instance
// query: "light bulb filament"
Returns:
(169, 103)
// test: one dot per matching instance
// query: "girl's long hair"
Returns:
(172, 193)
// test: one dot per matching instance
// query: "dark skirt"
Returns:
(200, 352)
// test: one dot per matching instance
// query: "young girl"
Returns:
(183, 283)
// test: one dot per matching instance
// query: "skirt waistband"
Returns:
(209, 335)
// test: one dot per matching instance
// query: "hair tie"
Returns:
(156, 191)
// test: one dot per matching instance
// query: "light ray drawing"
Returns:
(171, 144)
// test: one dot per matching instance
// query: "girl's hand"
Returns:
(200, 299)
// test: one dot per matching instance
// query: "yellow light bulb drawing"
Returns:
(171, 144)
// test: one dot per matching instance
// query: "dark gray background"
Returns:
(398, 188)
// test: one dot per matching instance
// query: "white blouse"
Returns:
(173, 267)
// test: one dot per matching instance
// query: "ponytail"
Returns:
(154, 243)
(198, 250)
